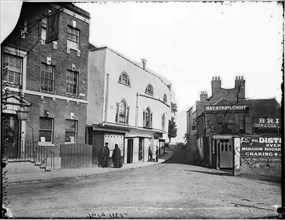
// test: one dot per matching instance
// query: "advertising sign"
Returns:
(260, 147)
(264, 123)
(215, 108)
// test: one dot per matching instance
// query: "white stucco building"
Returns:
(128, 105)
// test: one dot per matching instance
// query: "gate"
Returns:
(225, 147)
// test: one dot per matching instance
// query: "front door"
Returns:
(10, 132)
(226, 153)
(130, 151)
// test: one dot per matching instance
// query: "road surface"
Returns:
(168, 190)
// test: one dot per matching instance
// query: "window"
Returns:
(71, 82)
(73, 38)
(165, 98)
(47, 74)
(46, 130)
(12, 69)
(44, 28)
(122, 115)
(70, 130)
(163, 122)
(149, 90)
(124, 79)
(147, 118)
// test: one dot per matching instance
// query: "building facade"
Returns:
(222, 120)
(45, 70)
(128, 105)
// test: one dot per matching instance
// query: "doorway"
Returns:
(11, 133)
(130, 151)
(225, 147)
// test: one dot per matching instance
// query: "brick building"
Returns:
(44, 68)
(215, 122)
(128, 105)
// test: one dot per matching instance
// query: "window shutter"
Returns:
(144, 119)
(150, 120)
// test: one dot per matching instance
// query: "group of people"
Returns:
(150, 156)
(103, 156)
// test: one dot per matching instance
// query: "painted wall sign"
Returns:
(225, 108)
(261, 147)
(265, 123)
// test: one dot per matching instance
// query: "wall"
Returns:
(139, 79)
(96, 83)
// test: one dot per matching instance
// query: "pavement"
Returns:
(80, 172)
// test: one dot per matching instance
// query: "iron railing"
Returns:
(39, 155)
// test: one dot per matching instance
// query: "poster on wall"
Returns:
(261, 147)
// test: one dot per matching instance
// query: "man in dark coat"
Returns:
(105, 155)
(149, 154)
(116, 157)
(156, 155)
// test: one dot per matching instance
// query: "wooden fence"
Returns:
(75, 155)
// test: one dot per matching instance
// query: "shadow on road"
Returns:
(228, 173)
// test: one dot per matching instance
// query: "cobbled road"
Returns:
(174, 189)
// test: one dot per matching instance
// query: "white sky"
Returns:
(190, 42)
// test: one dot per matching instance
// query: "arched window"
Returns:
(149, 90)
(124, 79)
(122, 115)
(165, 98)
(147, 118)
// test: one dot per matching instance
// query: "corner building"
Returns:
(46, 61)
(129, 105)
(220, 127)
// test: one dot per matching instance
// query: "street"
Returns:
(168, 190)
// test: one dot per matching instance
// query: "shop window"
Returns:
(70, 131)
(12, 69)
(73, 38)
(147, 118)
(124, 79)
(149, 90)
(122, 113)
(47, 78)
(46, 130)
(71, 82)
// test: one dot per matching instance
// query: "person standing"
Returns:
(156, 154)
(116, 157)
(105, 155)
(149, 154)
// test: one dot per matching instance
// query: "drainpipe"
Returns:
(137, 109)
(106, 98)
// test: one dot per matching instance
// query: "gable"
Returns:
(223, 102)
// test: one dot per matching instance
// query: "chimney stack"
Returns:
(216, 85)
(144, 63)
(203, 95)
(240, 86)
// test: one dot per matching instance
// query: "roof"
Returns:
(164, 80)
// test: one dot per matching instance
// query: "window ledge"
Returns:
(47, 144)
